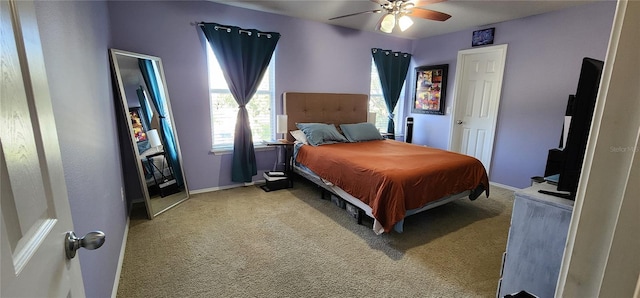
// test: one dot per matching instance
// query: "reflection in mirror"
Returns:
(154, 153)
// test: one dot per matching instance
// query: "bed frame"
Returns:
(339, 108)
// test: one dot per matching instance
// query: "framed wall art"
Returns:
(430, 89)
(483, 37)
(139, 129)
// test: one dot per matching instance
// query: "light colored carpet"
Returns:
(245, 242)
(159, 203)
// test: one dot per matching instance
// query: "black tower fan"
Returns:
(409, 132)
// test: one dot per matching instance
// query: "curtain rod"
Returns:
(387, 52)
(201, 24)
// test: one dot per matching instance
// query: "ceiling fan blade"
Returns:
(355, 14)
(381, 2)
(429, 14)
(419, 3)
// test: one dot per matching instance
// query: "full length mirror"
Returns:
(149, 131)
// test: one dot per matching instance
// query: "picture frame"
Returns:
(483, 37)
(139, 127)
(430, 89)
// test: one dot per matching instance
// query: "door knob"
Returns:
(459, 122)
(92, 240)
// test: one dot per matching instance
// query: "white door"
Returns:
(35, 210)
(477, 96)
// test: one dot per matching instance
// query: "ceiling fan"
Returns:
(398, 12)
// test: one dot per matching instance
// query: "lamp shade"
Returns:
(372, 118)
(281, 124)
(387, 23)
(154, 138)
(404, 22)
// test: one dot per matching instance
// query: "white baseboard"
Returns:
(504, 186)
(203, 190)
(116, 282)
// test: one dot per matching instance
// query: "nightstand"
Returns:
(287, 182)
(387, 135)
(166, 183)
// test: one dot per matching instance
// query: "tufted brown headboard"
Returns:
(334, 108)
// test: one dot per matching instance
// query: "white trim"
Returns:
(504, 186)
(226, 150)
(116, 282)
(217, 188)
(600, 257)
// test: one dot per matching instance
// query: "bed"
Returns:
(387, 180)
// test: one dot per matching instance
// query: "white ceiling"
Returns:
(466, 14)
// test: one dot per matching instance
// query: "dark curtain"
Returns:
(166, 131)
(244, 56)
(392, 69)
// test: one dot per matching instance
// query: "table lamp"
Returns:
(154, 139)
(372, 118)
(281, 125)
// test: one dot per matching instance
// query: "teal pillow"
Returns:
(320, 133)
(143, 146)
(360, 132)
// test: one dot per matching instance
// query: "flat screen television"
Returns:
(582, 114)
(568, 112)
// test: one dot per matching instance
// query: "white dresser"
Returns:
(537, 237)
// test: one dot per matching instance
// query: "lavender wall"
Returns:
(75, 39)
(542, 68)
(543, 63)
(310, 57)
(541, 71)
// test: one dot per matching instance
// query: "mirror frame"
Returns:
(113, 54)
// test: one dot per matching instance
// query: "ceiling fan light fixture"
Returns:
(407, 5)
(404, 22)
(387, 23)
(397, 12)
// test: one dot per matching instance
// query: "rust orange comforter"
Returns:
(392, 177)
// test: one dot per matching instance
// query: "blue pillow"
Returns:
(320, 133)
(360, 132)
(143, 146)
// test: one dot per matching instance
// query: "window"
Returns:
(224, 109)
(378, 106)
